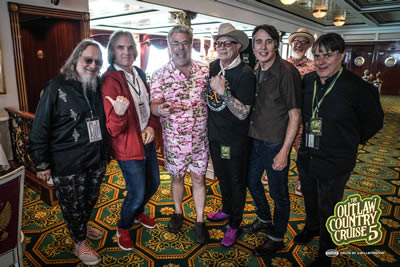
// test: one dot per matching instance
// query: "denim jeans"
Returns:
(261, 158)
(142, 178)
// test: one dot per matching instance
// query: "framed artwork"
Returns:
(2, 85)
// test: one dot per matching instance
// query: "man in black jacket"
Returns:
(68, 143)
(340, 111)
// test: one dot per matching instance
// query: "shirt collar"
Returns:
(302, 61)
(327, 82)
(128, 75)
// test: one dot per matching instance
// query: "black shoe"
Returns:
(202, 233)
(175, 224)
(321, 262)
(305, 236)
(268, 248)
(257, 226)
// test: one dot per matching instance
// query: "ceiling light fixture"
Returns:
(339, 21)
(288, 2)
(320, 11)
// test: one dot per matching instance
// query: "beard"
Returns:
(89, 83)
(298, 54)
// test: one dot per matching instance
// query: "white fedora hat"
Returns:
(227, 29)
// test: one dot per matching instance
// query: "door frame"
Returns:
(15, 10)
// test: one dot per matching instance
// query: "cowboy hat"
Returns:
(301, 32)
(227, 29)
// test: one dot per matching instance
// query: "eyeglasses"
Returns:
(89, 60)
(296, 42)
(224, 43)
(184, 43)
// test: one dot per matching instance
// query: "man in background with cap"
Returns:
(300, 41)
(274, 123)
(230, 95)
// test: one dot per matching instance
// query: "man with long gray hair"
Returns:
(178, 98)
(131, 129)
(68, 143)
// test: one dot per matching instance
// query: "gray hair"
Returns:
(69, 68)
(114, 39)
(180, 29)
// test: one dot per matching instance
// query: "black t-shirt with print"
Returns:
(223, 127)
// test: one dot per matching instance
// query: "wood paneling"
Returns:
(56, 38)
(375, 55)
(56, 31)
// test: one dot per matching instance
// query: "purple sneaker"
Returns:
(230, 237)
(217, 216)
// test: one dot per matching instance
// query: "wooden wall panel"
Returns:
(375, 55)
(41, 24)
(56, 38)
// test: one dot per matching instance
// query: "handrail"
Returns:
(20, 124)
(21, 113)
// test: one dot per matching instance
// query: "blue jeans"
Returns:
(142, 178)
(261, 158)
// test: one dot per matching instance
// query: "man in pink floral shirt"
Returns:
(178, 98)
(300, 41)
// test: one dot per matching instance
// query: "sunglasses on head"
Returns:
(89, 60)
(224, 43)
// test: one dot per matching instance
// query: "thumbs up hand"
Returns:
(120, 104)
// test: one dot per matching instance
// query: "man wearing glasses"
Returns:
(229, 100)
(300, 42)
(68, 143)
(273, 126)
(178, 98)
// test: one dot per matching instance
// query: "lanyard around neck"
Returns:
(137, 90)
(315, 108)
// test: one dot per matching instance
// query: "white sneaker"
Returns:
(86, 253)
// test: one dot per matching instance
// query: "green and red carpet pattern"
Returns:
(377, 172)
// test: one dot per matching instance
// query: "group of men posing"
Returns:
(246, 119)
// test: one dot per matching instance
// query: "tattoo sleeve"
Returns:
(237, 108)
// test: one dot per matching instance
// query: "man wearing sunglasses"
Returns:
(274, 123)
(300, 41)
(177, 97)
(68, 143)
(230, 96)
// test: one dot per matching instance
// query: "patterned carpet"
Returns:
(377, 172)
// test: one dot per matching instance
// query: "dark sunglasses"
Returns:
(224, 43)
(89, 60)
(296, 42)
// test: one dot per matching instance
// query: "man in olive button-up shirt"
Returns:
(274, 124)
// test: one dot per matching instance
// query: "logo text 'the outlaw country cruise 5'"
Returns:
(356, 219)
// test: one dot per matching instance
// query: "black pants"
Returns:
(77, 194)
(232, 176)
(321, 193)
